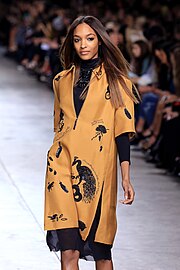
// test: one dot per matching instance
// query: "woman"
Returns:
(165, 148)
(143, 67)
(93, 109)
(165, 90)
(144, 76)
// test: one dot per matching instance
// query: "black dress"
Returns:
(70, 238)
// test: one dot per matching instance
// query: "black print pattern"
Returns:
(77, 194)
(52, 171)
(82, 225)
(50, 186)
(59, 150)
(61, 121)
(127, 113)
(88, 181)
(49, 167)
(76, 190)
(57, 217)
(107, 94)
(63, 187)
(84, 77)
(58, 78)
(99, 73)
(100, 131)
(61, 134)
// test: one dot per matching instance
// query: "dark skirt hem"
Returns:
(70, 239)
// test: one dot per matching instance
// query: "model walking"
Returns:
(93, 118)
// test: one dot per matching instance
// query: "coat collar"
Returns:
(98, 72)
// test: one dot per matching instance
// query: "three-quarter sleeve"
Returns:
(124, 116)
(56, 108)
(123, 147)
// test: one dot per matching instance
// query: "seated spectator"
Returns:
(165, 151)
(164, 90)
(143, 75)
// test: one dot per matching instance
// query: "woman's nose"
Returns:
(83, 44)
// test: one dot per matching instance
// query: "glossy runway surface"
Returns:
(148, 236)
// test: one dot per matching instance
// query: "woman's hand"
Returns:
(129, 193)
(135, 80)
(146, 89)
(170, 98)
(126, 184)
(169, 114)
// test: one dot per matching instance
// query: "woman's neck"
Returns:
(90, 64)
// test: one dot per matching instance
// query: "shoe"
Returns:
(149, 142)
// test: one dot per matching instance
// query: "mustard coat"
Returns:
(82, 161)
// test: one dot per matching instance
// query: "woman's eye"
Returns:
(76, 40)
(90, 38)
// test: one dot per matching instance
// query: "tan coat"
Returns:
(82, 161)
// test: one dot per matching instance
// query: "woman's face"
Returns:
(114, 36)
(136, 50)
(85, 42)
(161, 55)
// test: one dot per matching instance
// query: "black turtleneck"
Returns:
(86, 68)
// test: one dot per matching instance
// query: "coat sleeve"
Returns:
(124, 116)
(56, 107)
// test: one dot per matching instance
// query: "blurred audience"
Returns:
(148, 34)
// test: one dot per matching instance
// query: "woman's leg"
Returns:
(12, 46)
(140, 125)
(147, 143)
(69, 260)
(154, 124)
(104, 265)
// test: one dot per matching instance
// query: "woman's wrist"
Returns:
(126, 180)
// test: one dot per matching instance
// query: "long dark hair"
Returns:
(176, 68)
(116, 66)
(141, 64)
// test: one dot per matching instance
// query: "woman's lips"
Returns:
(84, 52)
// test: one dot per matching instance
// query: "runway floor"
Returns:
(148, 236)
